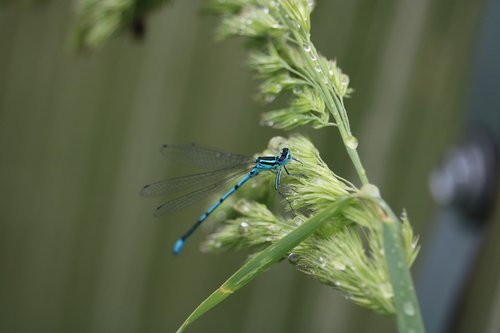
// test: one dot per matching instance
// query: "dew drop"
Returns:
(351, 142)
(372, 191)
(243, 228)
(331, 72)
(319, 181)
(268, 123)
(297, 221)
(269, 98)
(293, 258)
(245, 208)
(273, 227)
(385, 290)
(409, 309)
(325, 80)
(403, 216)
(307, 47)
(313, 57)
(338, 265)
(322, 262)
(221, 216)
(317, 69)
(265, 10)
(344, 80)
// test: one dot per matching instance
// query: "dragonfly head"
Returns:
(285, 156)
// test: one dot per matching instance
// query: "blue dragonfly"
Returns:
(228, 167)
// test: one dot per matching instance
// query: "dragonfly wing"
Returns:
(191, 198)
(204, 157)
(185, 183)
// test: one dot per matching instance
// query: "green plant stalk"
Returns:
(405, 299)
(346, 134)
(334, 105)
(262, 260)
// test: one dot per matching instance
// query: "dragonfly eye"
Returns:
(284, 154)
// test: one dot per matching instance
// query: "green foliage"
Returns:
(346, 252)
(284, 58)
(344, 236)
(262, 260)
(98, 20)
(349, 249)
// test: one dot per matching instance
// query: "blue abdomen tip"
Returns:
(178, 246)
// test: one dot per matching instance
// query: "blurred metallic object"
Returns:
(465, 186)
(467, 179)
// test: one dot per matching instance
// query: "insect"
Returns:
(228, 167)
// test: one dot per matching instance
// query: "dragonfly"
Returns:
(228, 167)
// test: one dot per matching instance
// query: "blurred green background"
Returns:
(80, 134)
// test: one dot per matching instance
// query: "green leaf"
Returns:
(405, 301)
(261, 261)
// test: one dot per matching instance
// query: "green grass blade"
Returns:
(405, 300)
(262, 260)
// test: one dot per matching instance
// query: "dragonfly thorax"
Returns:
(273, 162)
(285, 156)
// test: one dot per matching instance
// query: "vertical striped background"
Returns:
(80, 135)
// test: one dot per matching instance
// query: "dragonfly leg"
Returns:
(288, 188)
(299, 175)
(277, 186)
(286, 199)
(278, 179)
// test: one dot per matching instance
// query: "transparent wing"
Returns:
(199, 180)
(204, 157)
(191, 198)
